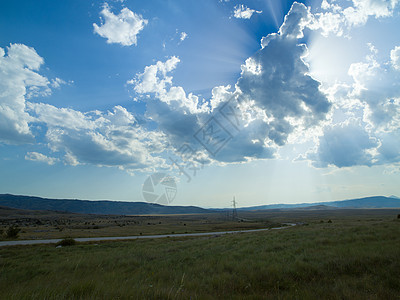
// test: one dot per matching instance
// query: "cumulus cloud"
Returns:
(389, 150)
(375, 98)
(248, 144)
(156, 80)
(276, 79)
(122, 28)
(243, 12)
(328, 22)
(364, 8)
(275, 96)
(19, 80)
(395, 57)
(36, 156)
(338, 16)
(344, 145)
(180, 116)
(111, 139)
(275, 99)
(378, 86)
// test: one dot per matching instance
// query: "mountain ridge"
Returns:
(95, 206)
(142, 208)
(365, 202)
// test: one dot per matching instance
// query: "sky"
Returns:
(268, 101)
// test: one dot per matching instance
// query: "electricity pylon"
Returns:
(234, 212)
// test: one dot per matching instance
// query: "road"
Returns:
(134, 237)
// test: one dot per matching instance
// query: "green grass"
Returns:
(47, 225)
(349, 258)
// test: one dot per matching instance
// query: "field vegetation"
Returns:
(329, 255)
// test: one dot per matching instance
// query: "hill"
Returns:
(143, 208)
(367, 202)
(94, 207)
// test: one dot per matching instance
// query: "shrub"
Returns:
(66, 242)
(12, 232)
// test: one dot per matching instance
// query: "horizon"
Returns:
(204, 207)
(188, 103)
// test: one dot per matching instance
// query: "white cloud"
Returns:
(371, 92)
(122, 28)
(111, 139)
(328, 22)
(57, 82)
(278, 102)
(293, 25)
(378, 86)
(184, 36)
(276, 79)
(365, 8)
(179, 116)
(374, 100)
(66, 117)
(339, 17)
(155, 79)
(389, 150)
(35, 156)
(395, 57)
(19, 80)
(243, 12)
(220, 94)
(344, 145)
(276, 94)
(70, 159)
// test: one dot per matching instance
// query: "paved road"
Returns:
(134, 237)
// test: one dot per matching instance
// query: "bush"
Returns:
(12, 232)
(66, 242)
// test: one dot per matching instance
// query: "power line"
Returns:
(234, 211)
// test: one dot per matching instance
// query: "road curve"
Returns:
(134, 237)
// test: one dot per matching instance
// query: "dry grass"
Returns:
(354, 257)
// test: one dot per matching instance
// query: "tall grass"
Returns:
(346, 259)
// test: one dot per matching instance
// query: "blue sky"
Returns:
(270, 101)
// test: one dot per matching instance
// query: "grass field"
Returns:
(355, 256)
(48, 225)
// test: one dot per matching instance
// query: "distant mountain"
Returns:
(316, 207)
(95, 207)
(367, 202)
(143, 208)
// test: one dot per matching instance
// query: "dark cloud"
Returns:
(277, 79)
(344, 145)
(274, 81)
